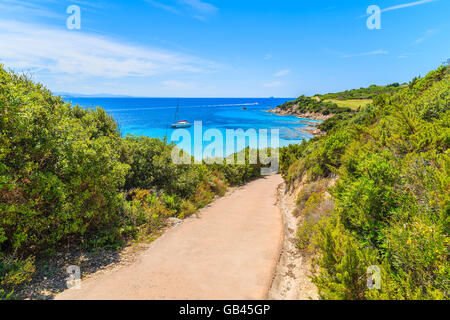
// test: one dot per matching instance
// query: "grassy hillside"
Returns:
(305, 104)
(67, 178)
(387, 169)
(353, 104)
(338, 103)
(362, 93)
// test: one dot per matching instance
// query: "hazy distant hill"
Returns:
(96, 95)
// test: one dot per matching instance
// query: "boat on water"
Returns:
(180, 123)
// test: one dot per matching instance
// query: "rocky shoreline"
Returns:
(312, 128)
(308, 115)
(316, 132)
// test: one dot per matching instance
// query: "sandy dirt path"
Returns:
(229, 252)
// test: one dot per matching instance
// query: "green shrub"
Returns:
(151, 167)
(14, 273)
(202, 196)
(313, 205)
(60, 172)
(305, 233)
(187, 209)
(362, 93)
(391, 197)
(316, 187)
(342, 264)
(310, 105)
(67, 176)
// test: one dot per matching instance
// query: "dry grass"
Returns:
(352, 104)
(313, 203)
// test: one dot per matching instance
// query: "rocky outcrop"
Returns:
(294, 112)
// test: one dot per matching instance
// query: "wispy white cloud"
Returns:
(370, 53)
(428, 34)
(197, 9)
(176, 84)
(403, 6)
(200, 6)
(267, 57)
(163, 6)
(24, 9)
(282, 73)
(92, 4)
(273, 84)
(407, 5)
(61, 52)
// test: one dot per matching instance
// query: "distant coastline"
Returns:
(312, 129)
(307, 115)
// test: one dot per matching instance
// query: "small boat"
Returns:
(244, 108)
(181, 124)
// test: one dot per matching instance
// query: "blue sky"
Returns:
(212, 48)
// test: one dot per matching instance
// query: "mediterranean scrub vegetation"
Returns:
(305, 104)
(362, 93)
(389, 165)
(68, 177)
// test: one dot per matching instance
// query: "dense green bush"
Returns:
(151, 167)
(391, 196)
(14, 273)
(67, 177)
(60, 172)
(333, 122)
(318, 158)
(362, 93)
(305, 104)
(237, 174)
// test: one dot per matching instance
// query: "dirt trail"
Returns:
(229, 252)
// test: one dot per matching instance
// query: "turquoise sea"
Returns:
(152, 116)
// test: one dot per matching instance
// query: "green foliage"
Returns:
(319, 157)
(241, 169)
(187, 209)
(305, 232)
(310, 216)
(67, 176)
(289, 155)
(313, 205)
(305, 195)
(14, 273)
(305, 104)
(60, 170)
(362, 93)
(152, 167)
(342, 264)
(391, 197)
(333, 122)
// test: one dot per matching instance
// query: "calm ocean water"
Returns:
(152, 116)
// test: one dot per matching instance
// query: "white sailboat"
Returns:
(180, 123)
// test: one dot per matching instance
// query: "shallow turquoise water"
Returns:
(152, 116)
